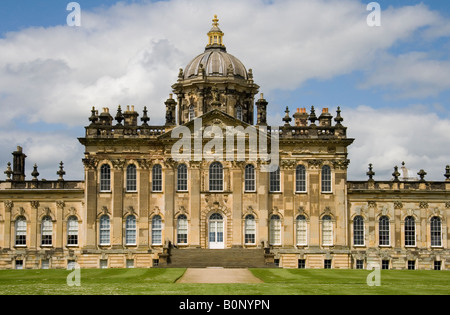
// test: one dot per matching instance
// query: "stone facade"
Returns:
(137, 199)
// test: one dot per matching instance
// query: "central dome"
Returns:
(215, 61)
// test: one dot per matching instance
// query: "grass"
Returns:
(276, 282)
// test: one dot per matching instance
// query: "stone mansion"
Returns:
(139, 206)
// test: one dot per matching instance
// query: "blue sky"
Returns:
(392, 82)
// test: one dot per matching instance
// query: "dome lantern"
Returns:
(215, 35)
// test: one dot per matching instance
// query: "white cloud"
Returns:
(131, 53)
(388, 137)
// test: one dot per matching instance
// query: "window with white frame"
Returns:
(326, 179)
(157, 178)
(131, 178)
(300, 179)
(130, 230)
(46, 231)
(182, 229)
(358, 231)
(249, 184)
(302, 229)
(216, 177)
(275, 230)
(156, 230)
(72, 230)
(436, 232)
(104, 230)
(384, 231)
(274, 181)
(410, 231)
(250, 229)
(105, 178)
(327, 231)
(182, 177)
(21, 231)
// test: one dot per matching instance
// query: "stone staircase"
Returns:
(226, 258)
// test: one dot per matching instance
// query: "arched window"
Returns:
(327, 231)
(436, 232)
(157, 178)
(191, 113)
(21, 231)
(384, 231)
(274, 181)
(216, 177)
(131, 177)
(326, 179)
(182, 229)
(105, 178)
(46, 231)
(72, 230)
(104, 230)
(410, 231)
(239, 112)
(250, 229)
(130, 230)
(156, 230)
(275, 230)
(182, 177)
(249, 184)
(358, 231)
(300, 179)
(302, 239)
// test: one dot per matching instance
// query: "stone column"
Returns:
(195, 206)
(7, 237)
(263, 205)
(143, 210)
(237, 188)
(169, 191)
(90, 216)
(59, 242)
(35, 233)
(117, 205)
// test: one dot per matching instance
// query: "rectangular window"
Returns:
(71, 264)
(300, 179)
(385, 264)
(131, 178)
(182, 178)
(103, 263)
(250, 178)
(437, 265)
(274, 184)
(45, 264)
(130, 263)
(327, 263)
(19, 264)
(276, 262)
(157, 178)
(301, 264)
(411, 264)
(155, 262)
(360, 264)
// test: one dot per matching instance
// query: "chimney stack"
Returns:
(18, 165)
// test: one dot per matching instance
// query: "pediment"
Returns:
(214, 118)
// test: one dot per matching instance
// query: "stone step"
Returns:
(226, 258)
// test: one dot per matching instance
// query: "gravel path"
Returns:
(218, 275)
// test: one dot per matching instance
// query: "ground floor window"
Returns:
(19, 264)
(45, 264)
(327, 264)
(411, 264)
(130, 263)
(360, 264)
(301, 264)
(103, 263)
(385, 264)
(437, 265)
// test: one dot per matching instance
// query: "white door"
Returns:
(216, 232)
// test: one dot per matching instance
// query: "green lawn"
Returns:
(276, 282)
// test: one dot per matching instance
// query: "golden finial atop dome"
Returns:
(215, 35)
